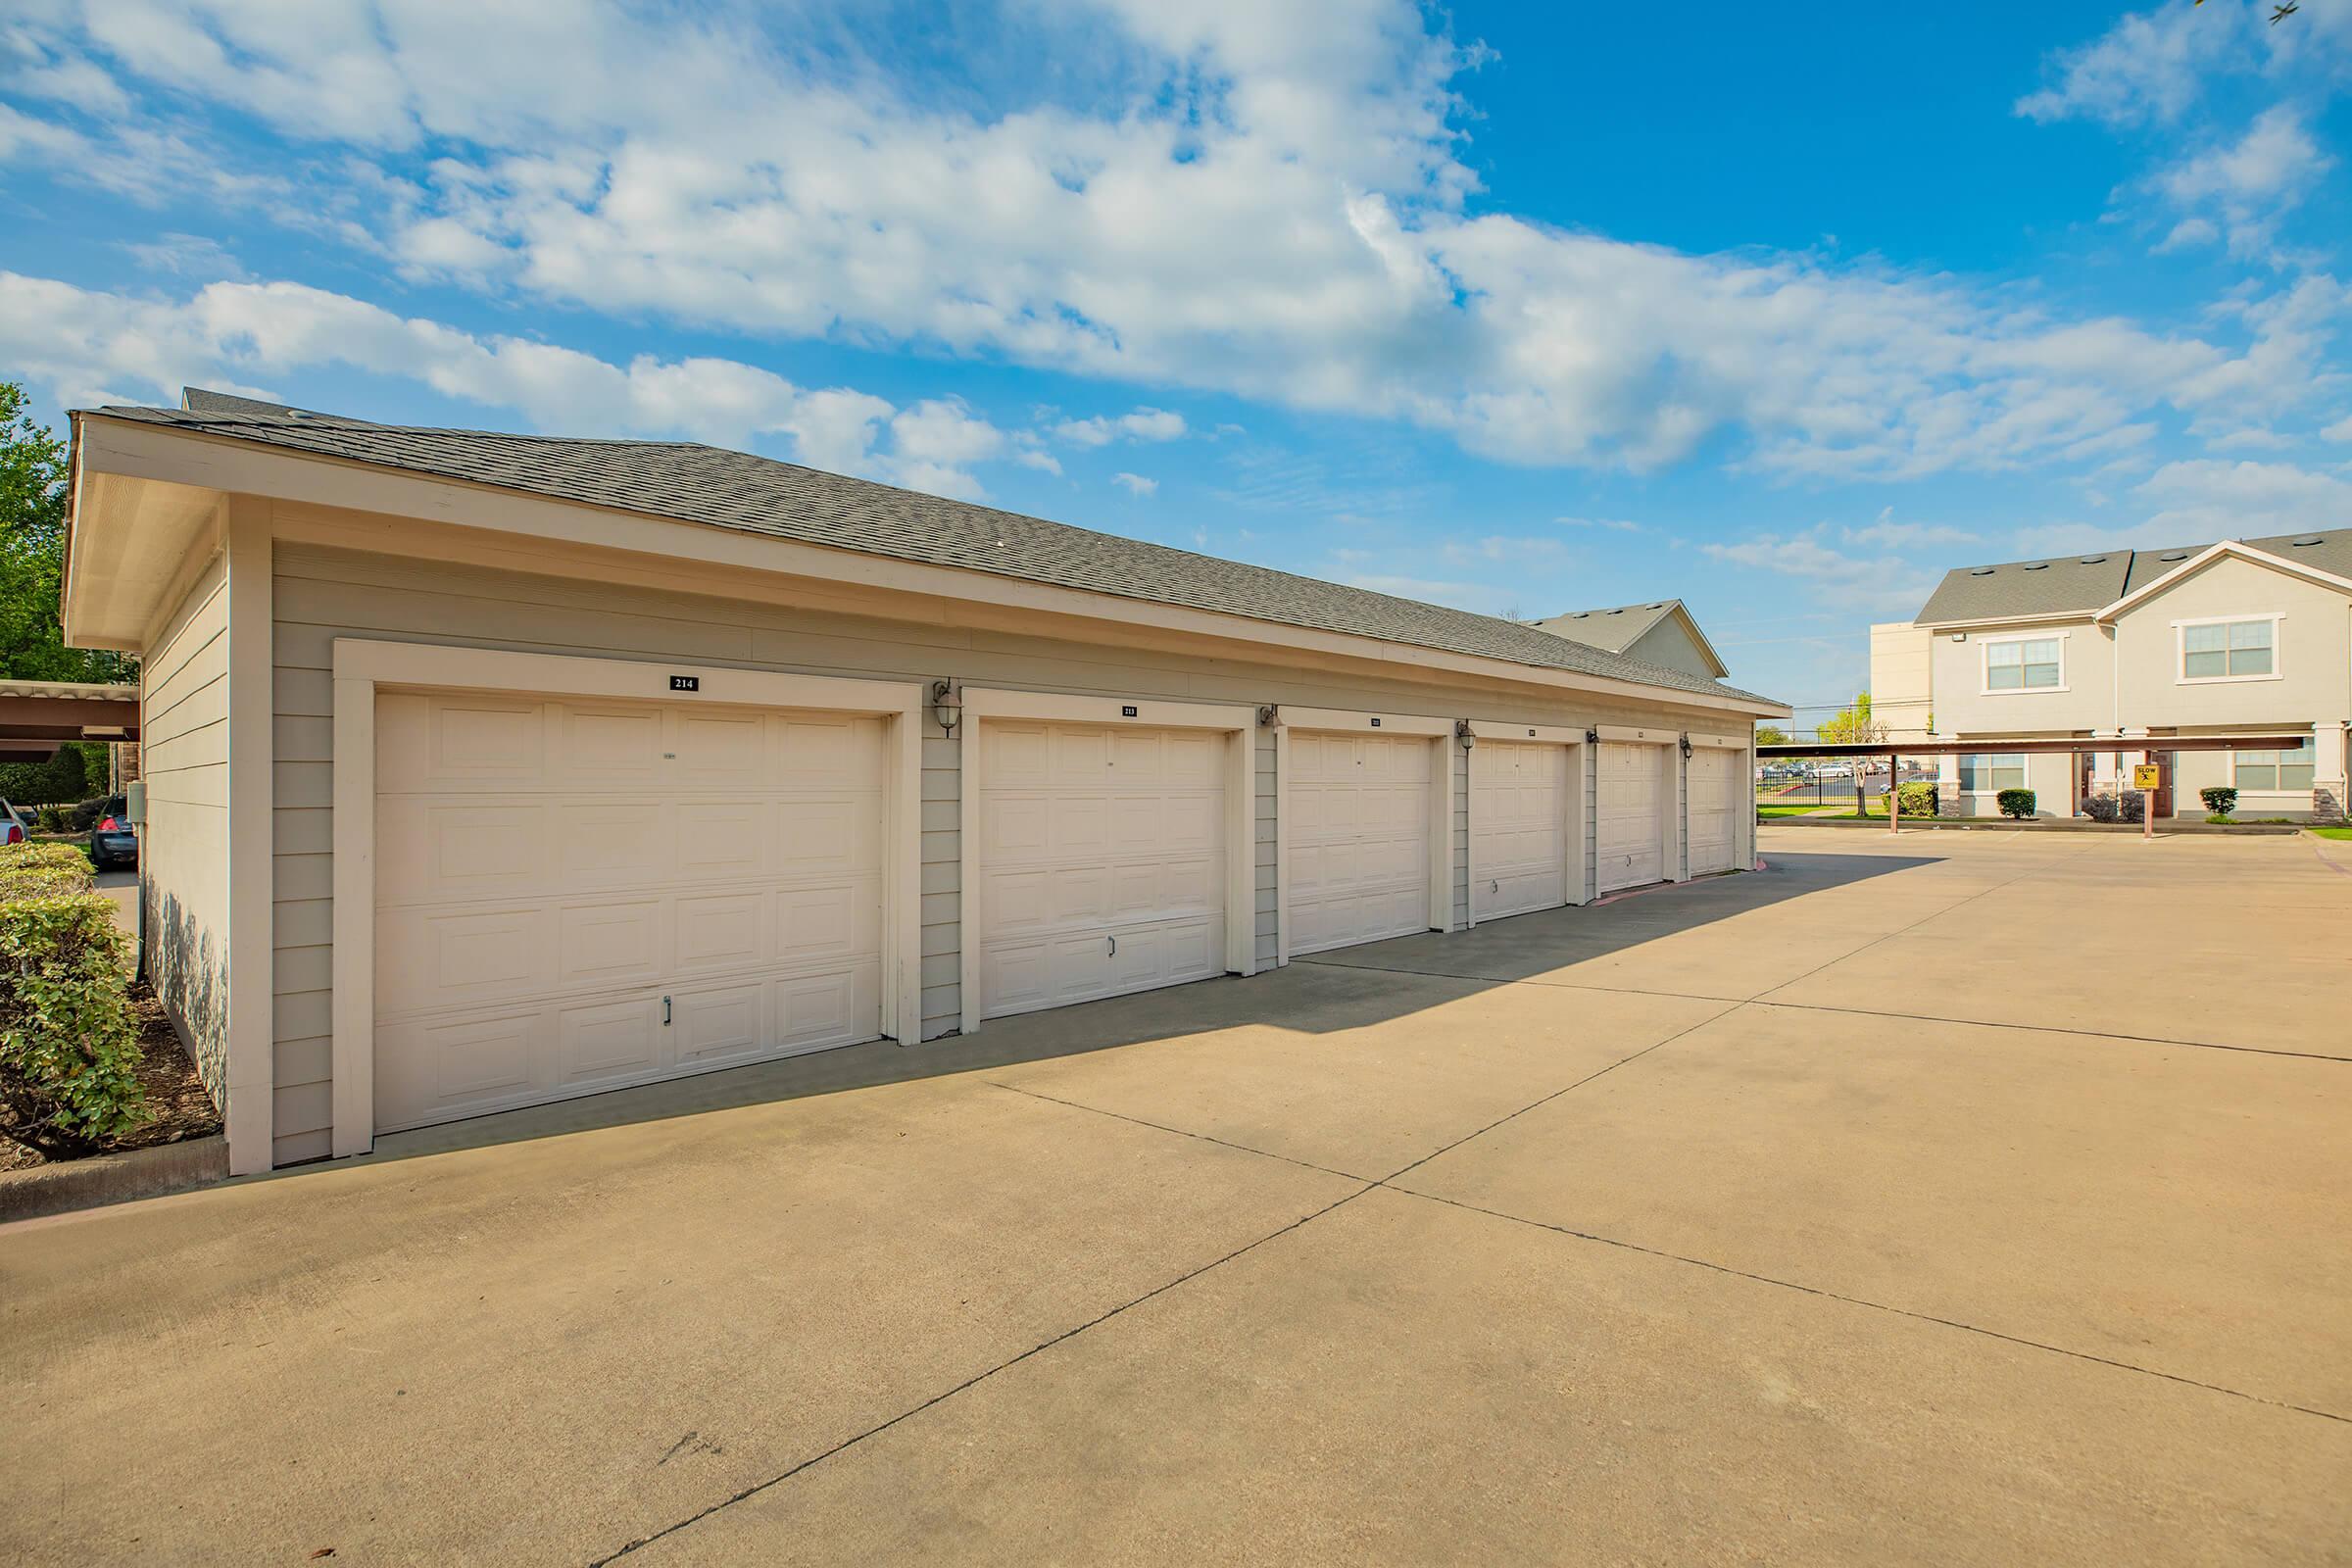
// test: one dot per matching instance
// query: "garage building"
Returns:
(486, 769)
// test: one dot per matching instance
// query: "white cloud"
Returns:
(2204, 499)
(86, 347)
(1503, 550)
(1889, 535)
(2247, 184)
(1144, 425)
(2145, 67)
(1258, 200)
(1871, 582)
(1135, 483)
(2341, 430)
(1611, 525)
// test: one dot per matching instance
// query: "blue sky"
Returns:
(1517, 307)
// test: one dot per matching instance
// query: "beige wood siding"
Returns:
(183, 849)
(323, 594)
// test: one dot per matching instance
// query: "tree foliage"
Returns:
(1771, 735)
(33, 554)
(1851, 725)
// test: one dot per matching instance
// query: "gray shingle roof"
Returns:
(1614, 629)
(688, 482)
(2088, 582)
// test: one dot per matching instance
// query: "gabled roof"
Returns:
(2309, 570)
(1619, 628)
(688, 482)
(2085, 584)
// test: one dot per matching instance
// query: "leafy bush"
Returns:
(69, 1041)
(2129, 807)
(2220, 800)
(66, 777)
(43, 870)
(2016, 804)
(1917, 798)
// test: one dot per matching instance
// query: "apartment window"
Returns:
(2228, 650)
(2277, 771)
(1990, 773)
(2022, 664)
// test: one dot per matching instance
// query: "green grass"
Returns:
(1768, 812)
(2342, 835)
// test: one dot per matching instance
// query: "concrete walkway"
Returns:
(1944, 1198)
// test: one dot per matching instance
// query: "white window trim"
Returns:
(1985, 648)
(1238, 723)
(2025, 769)
(2180, 675)
(1438, 733)
(361, 666)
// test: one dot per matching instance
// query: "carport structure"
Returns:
(36, 717)
(2157, 747)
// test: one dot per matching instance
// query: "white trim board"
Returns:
(1437, 732)
(361, 666)
(1239, 724)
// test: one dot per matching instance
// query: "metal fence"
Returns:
(1818, 791)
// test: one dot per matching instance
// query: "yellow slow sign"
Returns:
(2147, 776)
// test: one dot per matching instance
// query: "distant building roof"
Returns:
(2059, 585)
(1618, 629)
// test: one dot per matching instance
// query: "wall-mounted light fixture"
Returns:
(1592, 736)
(947, 705)
(1464, 733)
(1685, 745)
(1269, 716)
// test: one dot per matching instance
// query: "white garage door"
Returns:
(1518, 828)
(1629, 814)
(1101, 861)
(1358, 838)
(572, 896)
(1717, 797)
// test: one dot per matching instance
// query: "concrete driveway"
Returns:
(1960, 1197)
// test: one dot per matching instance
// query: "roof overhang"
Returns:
(133, 516)
(2228, 548)
(145, 496)
(2047, 618)
(56, 711)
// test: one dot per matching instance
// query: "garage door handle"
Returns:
(1114, 947)
(1494, 886)
(664, 1013)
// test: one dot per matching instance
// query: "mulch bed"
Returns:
(177, 1097)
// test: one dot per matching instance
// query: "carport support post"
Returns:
(1895, 797)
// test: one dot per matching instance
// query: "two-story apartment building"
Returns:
(2135, 647)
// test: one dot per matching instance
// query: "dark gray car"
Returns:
(112, 842)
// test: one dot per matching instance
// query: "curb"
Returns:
(112, 1178)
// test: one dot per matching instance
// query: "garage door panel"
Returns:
(1629, 821)
(1359, 838)
(672, 862)
(603, 945)
(1092, 835)
(454, 744)
(608, 748)
(721, 931)
(1519, 808)
(1717, 795)
(462, 955)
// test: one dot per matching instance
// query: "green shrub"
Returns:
(2018, 803)
(2220, 800)
(43, 870)
(1917, 798)
(64, 777)
(69, 1039)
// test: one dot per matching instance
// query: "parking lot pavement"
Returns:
(1742, 1220)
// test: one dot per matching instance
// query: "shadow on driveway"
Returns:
(1328, 993)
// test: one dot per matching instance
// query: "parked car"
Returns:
(112, 841)
(13, 828)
